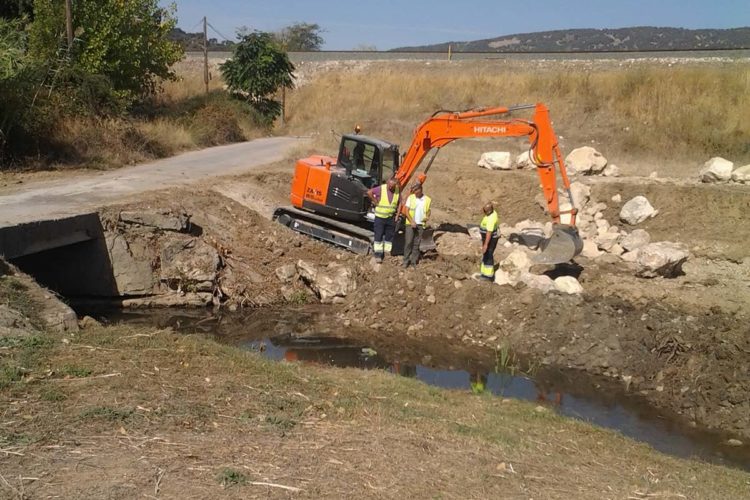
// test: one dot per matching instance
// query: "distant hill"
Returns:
(193, 42)
(640, 38)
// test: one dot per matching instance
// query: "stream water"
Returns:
(313, 335)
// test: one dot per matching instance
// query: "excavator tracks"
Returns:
(354, 238)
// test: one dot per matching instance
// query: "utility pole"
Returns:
(205, 52)
(69, 23)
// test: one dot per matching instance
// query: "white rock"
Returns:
(586, 161)
(328, 284)
(538, 281)
(611, 171)
(716, 170)
(653, 175)
(569, 285)
(590, 249)
(637, 239)
(503, 277)
(661, 259)
(495, 160)
(630, 256)
(581, 194)
(606, 241)
(524, 161)
(475, 233)
(617, 198)
(616, 250)
(637, 210)
(742, 174)
(518, 260)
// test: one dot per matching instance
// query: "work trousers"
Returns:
(413, 237)
(487, 268)
(384, 231)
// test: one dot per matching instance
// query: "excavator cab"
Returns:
(371, 161)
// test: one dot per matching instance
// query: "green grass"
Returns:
(231, 477)
(76, 371)
(108, 413)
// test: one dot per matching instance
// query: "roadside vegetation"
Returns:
(155, 411)
(117, 93)
(641, 110)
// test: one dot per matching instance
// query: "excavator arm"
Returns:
(444, 127)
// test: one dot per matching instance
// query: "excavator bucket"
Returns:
(561, 247)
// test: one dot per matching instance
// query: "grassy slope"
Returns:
(122, 412)
(683, 114)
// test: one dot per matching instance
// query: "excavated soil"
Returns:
(681, 344)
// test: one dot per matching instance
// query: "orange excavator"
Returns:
(329, 195)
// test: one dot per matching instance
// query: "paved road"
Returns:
(76, 195)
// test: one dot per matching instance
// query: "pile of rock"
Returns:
(719, 170)
(600, 237)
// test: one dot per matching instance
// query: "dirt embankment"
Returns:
(681, 344)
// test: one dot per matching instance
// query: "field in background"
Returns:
(640, 114)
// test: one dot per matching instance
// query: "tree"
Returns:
(300, 37)
(257, 70)
(126, 41)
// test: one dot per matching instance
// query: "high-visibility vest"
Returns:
(489, 223)
(385, 209)
(411, 203)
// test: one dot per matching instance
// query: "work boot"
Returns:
(406, 264)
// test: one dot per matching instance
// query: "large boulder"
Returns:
(330, 283)
(585, 161)
(131, 265)
(637, 210)
(190, 264)
(742, 174)
(495, 160)
(716, 170)
(635, 240)
(661, 259)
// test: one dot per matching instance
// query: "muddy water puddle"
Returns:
(315, 335)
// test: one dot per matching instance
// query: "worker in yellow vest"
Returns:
(488, 230)
(384, 199)
(417, 211)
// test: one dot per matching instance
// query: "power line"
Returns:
(219, 33)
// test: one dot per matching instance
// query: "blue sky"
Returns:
(389, 23)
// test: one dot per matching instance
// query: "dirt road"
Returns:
(73, 195)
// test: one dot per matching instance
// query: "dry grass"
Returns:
(180, 118)
(149, 413)
(686, 112)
